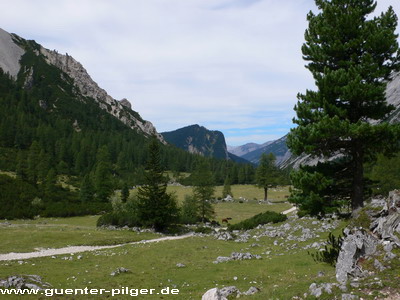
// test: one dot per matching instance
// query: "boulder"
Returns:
(356, 244)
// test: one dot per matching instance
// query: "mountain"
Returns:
(14, 49)
(244, 149)
(277, 147)
(199, 140)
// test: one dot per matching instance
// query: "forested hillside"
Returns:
(50, 132)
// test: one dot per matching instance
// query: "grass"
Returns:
(154, 266)
(248, 191)
(30, 235)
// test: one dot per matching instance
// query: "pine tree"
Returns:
(204, 189)
(267, 174)
(227, 187)
(103, 178)
(351, 57)
(125, 193)
(86, 193)
(156, 208)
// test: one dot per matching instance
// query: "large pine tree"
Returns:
(156, 207)
(351, 57)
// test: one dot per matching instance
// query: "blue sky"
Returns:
(229, 65)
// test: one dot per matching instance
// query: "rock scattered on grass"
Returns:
(33, 282)
(119, 271)
(228, 292)
(236, 256)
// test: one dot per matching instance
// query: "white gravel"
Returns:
(77, 249)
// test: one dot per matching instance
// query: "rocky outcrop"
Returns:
(229, 292)
(359, 244)
(89, 88)
(20, 282)
(10, 54)
(199, 140)
(393, 98)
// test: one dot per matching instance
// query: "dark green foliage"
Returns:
(203, 190)
(386, 173)
(268, 175)
(351, 57)
(72, 208)
(86, 193)
(204, 230)
(331, 251)
(119, 219)
(227, 188)
(16, 198)
(124, 192)
(260, 219)
(155, 207)
(103, 181)
(190, 210)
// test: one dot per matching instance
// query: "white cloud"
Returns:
(225, 64)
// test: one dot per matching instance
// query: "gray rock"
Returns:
(315, 290)
(119, 271)
(251, 291)
(126, 103)
(355, 245)
(24, 282)
(223, 236)
(180, 265)
(349, 297)
(378, 265)
(229, 292)
(213, 294)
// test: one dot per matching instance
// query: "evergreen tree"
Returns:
(267, 174)
(156, 208)
(86, 193)
(125, 193)
(50, 185)
(227, 187)
(103, 179)
(203, 190)
(33, 161)
(190, 210)
(351, 57)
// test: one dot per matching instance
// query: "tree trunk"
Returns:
(357, 197)
(265, 194)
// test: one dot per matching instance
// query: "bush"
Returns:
(68, 209)
(331, 251)
(260, 219)
(205, 230)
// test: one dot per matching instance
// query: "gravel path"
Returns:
(289, 210)
(76, 249)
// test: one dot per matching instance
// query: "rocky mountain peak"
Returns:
(10, 54)
(89, 88)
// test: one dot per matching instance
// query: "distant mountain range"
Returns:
(200, 140)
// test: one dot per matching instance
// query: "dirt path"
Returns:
(77, 249)
(289, 210)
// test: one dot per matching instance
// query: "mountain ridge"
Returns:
(14, 47)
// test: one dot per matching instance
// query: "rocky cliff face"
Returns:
(11, 51)
(393, 97)
(10, 54)
(199, 140)
(88, 88)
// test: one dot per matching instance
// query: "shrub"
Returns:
(260, 219)
(331, 251)
(205, 230)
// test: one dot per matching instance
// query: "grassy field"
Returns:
(285, 270)
(247, 191)
(280, 275)
(31, 235)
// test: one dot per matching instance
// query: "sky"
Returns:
(228, 65)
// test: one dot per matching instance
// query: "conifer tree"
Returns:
(103, 179)
(86, 193)
(204, 189)
(267, 174)
(227, 190)
(125, 193)
(156, 208)
(351, 57)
